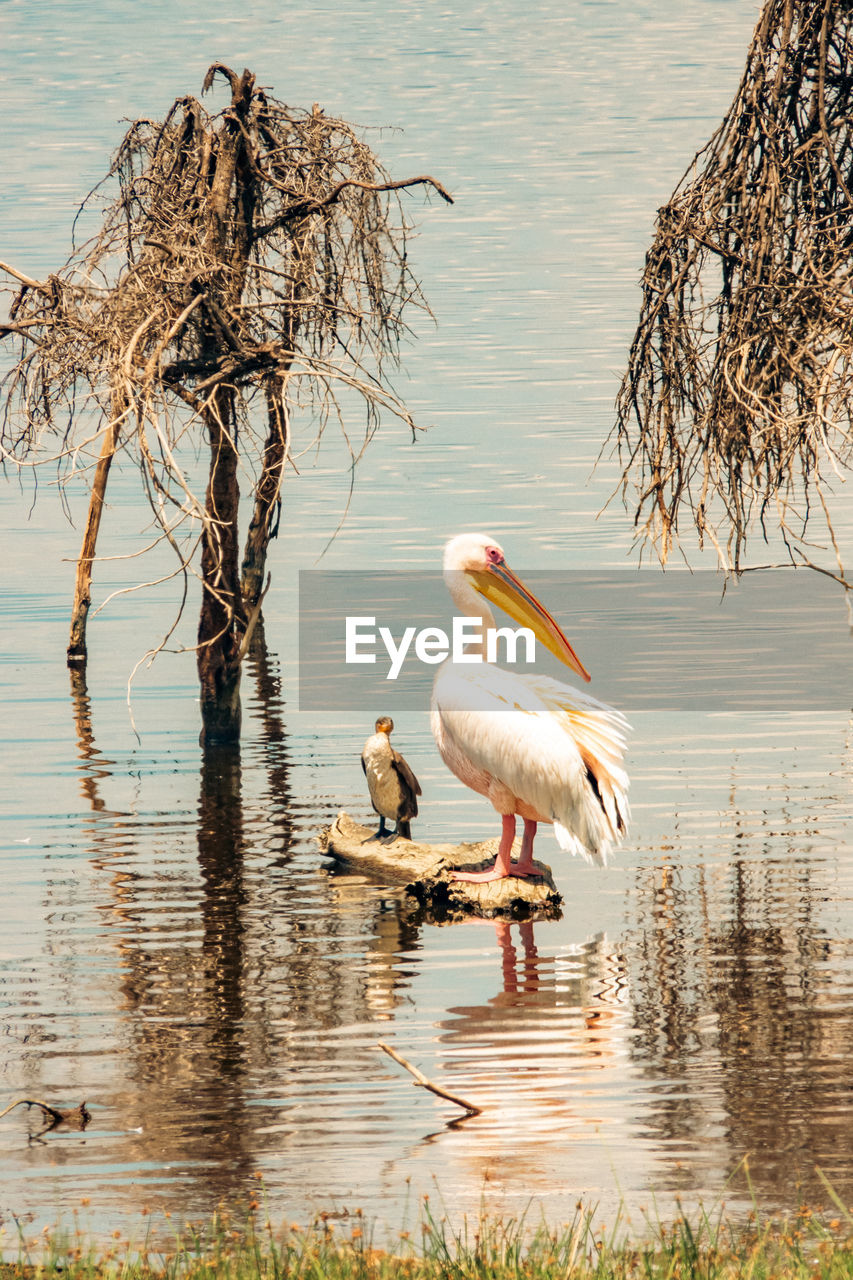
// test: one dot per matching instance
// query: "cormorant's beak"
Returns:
(500, 586)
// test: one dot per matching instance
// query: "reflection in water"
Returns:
(93, 766)
(554, 1015)
(230, 961)
(742, 1000)
(270, 747)
(240, 987)
(181, 983)
(542, 1055)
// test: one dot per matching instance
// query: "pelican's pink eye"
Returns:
(494, 555)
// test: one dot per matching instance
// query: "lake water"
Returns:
(173, 948)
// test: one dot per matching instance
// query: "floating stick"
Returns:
(421, 1079)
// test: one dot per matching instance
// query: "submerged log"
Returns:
(424, 871)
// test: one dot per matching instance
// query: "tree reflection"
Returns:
(732, 989)
(93, 766)
(235, 956)
(266, 702)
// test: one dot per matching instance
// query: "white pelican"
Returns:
(392, 785)
(533, 746)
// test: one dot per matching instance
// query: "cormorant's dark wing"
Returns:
(408, 782)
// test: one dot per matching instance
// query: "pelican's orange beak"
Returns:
(500, 586)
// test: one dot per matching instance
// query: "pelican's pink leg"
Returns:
(524, 866)
(503, 865)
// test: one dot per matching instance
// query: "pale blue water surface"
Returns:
(173, 948)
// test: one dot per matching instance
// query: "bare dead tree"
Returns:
(254, 258)
(735, 409)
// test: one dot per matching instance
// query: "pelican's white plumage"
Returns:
(527, 739)
(533, 746)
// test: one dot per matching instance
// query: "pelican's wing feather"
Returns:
(560, 756)
(599, 731)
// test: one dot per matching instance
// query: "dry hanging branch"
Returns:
(736, 405)
(255, 258)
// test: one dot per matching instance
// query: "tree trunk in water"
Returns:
(222, 621)
(265, 516)
(77, 653)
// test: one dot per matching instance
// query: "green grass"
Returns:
(248, 1247)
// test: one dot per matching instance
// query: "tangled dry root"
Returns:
(736, 405)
